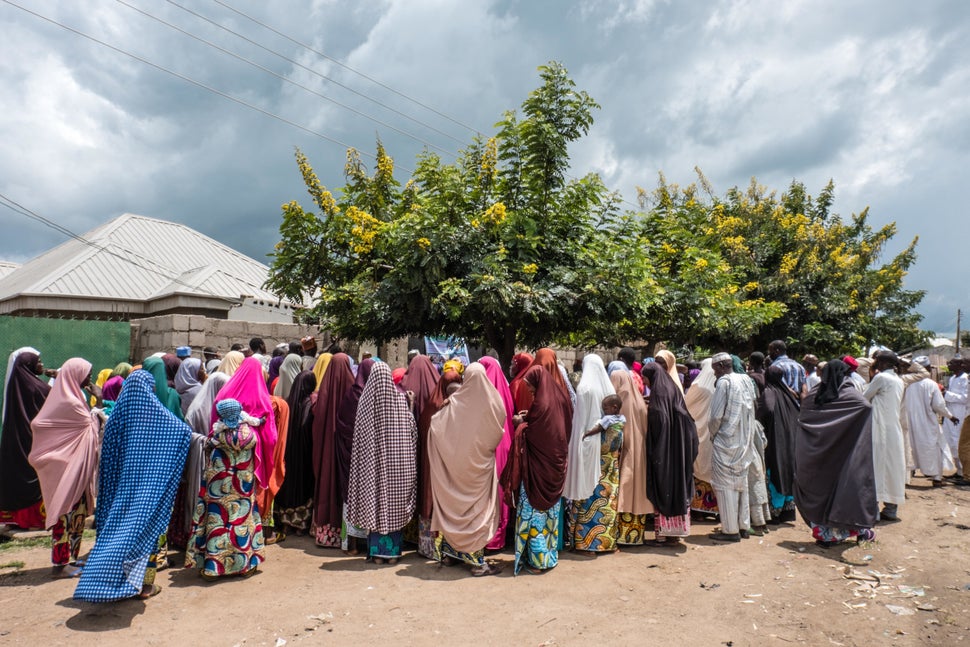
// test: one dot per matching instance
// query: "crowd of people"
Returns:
(217, 457)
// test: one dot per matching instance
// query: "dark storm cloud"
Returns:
(870, 94)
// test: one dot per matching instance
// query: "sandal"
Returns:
(66, 572)
(486, 569)
(722, 536)
(155, 590)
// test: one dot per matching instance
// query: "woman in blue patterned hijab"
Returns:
(142, 456)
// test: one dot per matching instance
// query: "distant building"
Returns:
(134, 267)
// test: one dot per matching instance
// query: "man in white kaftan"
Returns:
(956, 402)
(732, 426)
(885, 392)
(923, 405)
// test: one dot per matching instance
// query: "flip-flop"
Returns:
(67, 572)
(156, 589)
(490, 569)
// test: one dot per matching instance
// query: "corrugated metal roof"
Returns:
(6, 267)
(116, 263)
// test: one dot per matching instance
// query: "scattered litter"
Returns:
(900, 611)
(926, 606)
(867, 558)
(933, 621)
(624, 598)
(710, 587)
(747, 601)
(857, 605)
(801, 549)
(911, 591)
(752, 595)
(280, 642)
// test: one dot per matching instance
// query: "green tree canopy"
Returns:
(502, 247)
(790, 249)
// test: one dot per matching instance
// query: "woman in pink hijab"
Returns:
(65, 455)
(248, 387)
(493, 370)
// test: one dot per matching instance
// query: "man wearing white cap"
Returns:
(885, 392)
(732, 425)
(924, 404)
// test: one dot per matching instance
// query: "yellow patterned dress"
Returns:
(227, 536)
(594, 521)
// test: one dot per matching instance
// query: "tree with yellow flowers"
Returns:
(827, 272)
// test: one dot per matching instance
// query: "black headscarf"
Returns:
(833, 375)
(298, 486)
(778, 414)
(834, 477)
(19, 487)
(671, 445)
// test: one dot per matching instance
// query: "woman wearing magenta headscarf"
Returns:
(493, 371)
(248, 387)
(65, 455)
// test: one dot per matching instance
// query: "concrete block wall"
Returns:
(166, 332)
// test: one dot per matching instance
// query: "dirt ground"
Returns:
(911, 587)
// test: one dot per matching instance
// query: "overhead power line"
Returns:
(316, 73)
(347, 67)
(194, 82)
(283, 78)
(153, 268)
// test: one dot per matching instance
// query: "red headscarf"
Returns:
(521, 395)
(541, 445)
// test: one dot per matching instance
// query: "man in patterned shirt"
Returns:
(794, 372)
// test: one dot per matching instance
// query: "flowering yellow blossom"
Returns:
(364, 230)
(668, 248)
(489, 159)
(531, 268)
(495, 214)
(424, 243)
(788, 263)
(700, 263)
(752, 285)
(385, 165)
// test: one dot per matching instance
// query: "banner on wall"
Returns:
(440, 349)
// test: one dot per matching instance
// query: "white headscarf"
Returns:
(583, 468)
(698, 401)
(6, 380)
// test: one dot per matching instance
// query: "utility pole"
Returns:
(958, 331)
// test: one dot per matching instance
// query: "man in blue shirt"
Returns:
(794, 376)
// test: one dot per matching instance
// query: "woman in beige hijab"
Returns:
(669, 362)
(464, 486)
(698, 401)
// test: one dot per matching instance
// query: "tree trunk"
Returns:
(504, 344)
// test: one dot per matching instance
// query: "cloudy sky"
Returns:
(873, 95)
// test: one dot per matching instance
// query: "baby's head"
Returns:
(611, 405)
(451, 388)
(230, 412)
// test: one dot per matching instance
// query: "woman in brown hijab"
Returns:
(536, 471)
(337, 381)
(461, 452)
